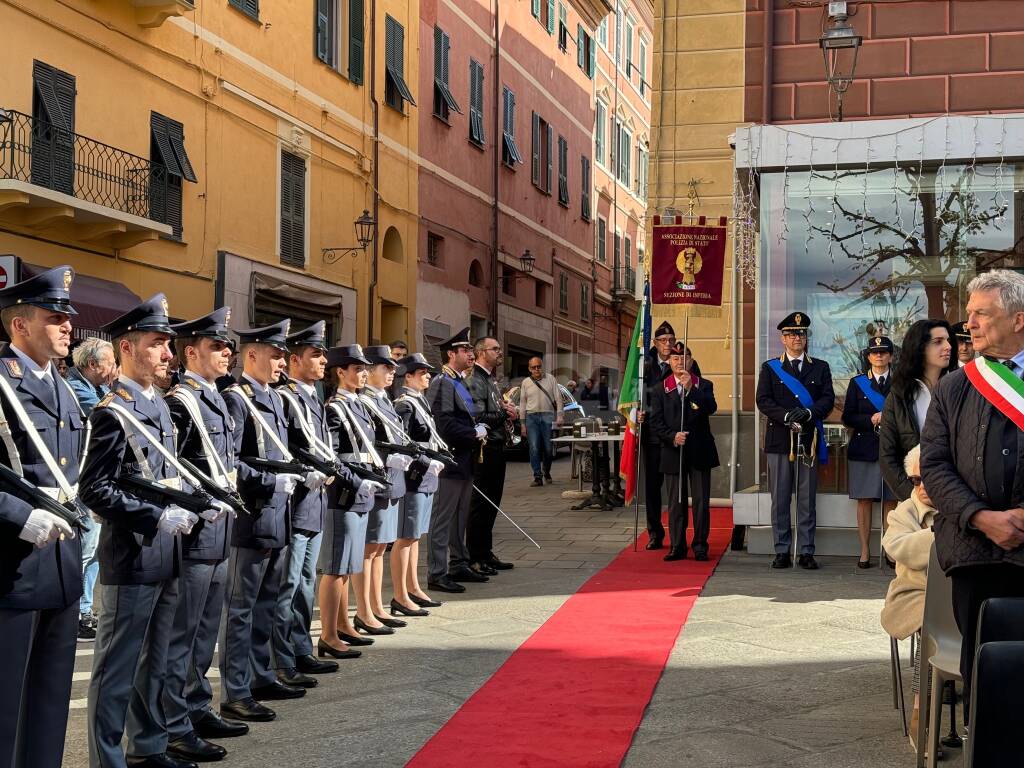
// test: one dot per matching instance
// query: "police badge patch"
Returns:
(13, 367)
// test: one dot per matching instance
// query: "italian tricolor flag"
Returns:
(998, 384)
(629, 403)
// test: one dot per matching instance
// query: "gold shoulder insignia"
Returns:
(293, 387)
(106, 400)
(124, 394)
(808, 358)
(192, 383)
(782, 357)
(693, 405)
(13, 367)
(247, 389)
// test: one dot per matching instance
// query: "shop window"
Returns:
(396, 90)
(391, 249)
(169, 168)
(293, 209)
(444, 101)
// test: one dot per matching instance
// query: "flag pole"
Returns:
(642, 357)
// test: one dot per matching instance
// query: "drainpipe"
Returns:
(737, 401)
(375, 106)
(617, 146)
(498, 127)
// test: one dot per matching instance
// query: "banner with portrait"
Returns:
(687, 268)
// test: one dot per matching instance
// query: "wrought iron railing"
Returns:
(40, 153)
(624, 281)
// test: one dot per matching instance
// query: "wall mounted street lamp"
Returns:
(840, 44)
(364, 235)
(526, 264)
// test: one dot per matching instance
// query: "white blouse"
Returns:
(922, 399)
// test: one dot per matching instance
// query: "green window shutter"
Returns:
(535, 8)
(355, 41)
(535, 164)
(580, 52)
(439, 55)
(323, 30)
(591, 57)
(548, 146)
(551, 17)
(585, 188)
(293, 209)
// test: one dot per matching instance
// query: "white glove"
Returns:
(177, 520)
(216, 512)
(315, 480)
(367, 490)
(434, 467)
(286, 482)
(481, 431)
(399, 461)
(42, 527)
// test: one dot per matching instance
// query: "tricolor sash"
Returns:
(795, 386)
(876, 398)
(999, 386)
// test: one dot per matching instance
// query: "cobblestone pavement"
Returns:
(771, 668)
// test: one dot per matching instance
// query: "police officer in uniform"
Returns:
(795, 393)
(307, 429)
(259, 543)
(964, 344)
(139, 549)
(205, 429)
(40, 555)
(452, 407)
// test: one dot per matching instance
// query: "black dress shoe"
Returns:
(247, 709)
(864, 564)
(277, 691)
(192, 747)
(212, 726)
(355, 639)
(537, 483)
(807, 562)
(701, 557)
(360, 624)
(312, 666)
(675, 554)
(484, 569)
(465, 573)
(422, 603)
(444, 584)
(397, 608)
(654, 544)
(159, 761)
(323, 649)
(782, 561)
(296, 679)
(499, 565)
(393, 623)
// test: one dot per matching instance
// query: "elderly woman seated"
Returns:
(909, 541)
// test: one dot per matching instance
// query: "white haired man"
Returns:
(970, 459)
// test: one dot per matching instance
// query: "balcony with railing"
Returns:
(52, 179)
(153, 13)
(624, 283)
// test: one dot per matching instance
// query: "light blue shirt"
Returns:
(31, 365)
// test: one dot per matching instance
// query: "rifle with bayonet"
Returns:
(72, 511)
(332, 467)
(225, 495)
(195, 501)
(416, 450)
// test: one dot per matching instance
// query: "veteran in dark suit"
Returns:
(259, 541)
(205, 437)
(307, 430)
(139, 549)
(656, 370)
(795, 394)
(451, 405)
(40, 553)
(681, 410)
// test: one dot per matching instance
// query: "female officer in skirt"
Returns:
(344, 536)
(414, 517)
(862, 412)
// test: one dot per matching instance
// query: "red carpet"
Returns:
(573, 694)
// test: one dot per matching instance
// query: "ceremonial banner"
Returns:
(687, 268)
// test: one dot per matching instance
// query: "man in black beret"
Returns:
(795, 393)
(40, 554)
(657, 369)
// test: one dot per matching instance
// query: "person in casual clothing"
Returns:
(540, 404)
(971, 463)
(925, 357)
(862, 408)
(94, 371)
(908, 540)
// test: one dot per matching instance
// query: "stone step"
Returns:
(828, 540)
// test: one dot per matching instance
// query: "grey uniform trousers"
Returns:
(294, 612)
(448, 519)
(38, 653)
(254, 580)
(187, 692)
(781, 477)
(129, 670)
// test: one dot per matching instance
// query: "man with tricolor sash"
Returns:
(795, 393)
(972, 458)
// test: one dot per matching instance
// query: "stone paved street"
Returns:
(771, 669)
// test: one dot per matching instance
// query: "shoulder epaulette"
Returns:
(124, 394)
(247, 389)
(105, 401)
(14, 367)
(293, 387)
(192, 383)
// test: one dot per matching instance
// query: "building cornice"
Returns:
(593, 11)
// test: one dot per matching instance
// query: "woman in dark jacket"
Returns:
(927, 354)
(862, 414)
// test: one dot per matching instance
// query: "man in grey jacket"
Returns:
(971, 458)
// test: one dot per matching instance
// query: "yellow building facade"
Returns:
(214, 153)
